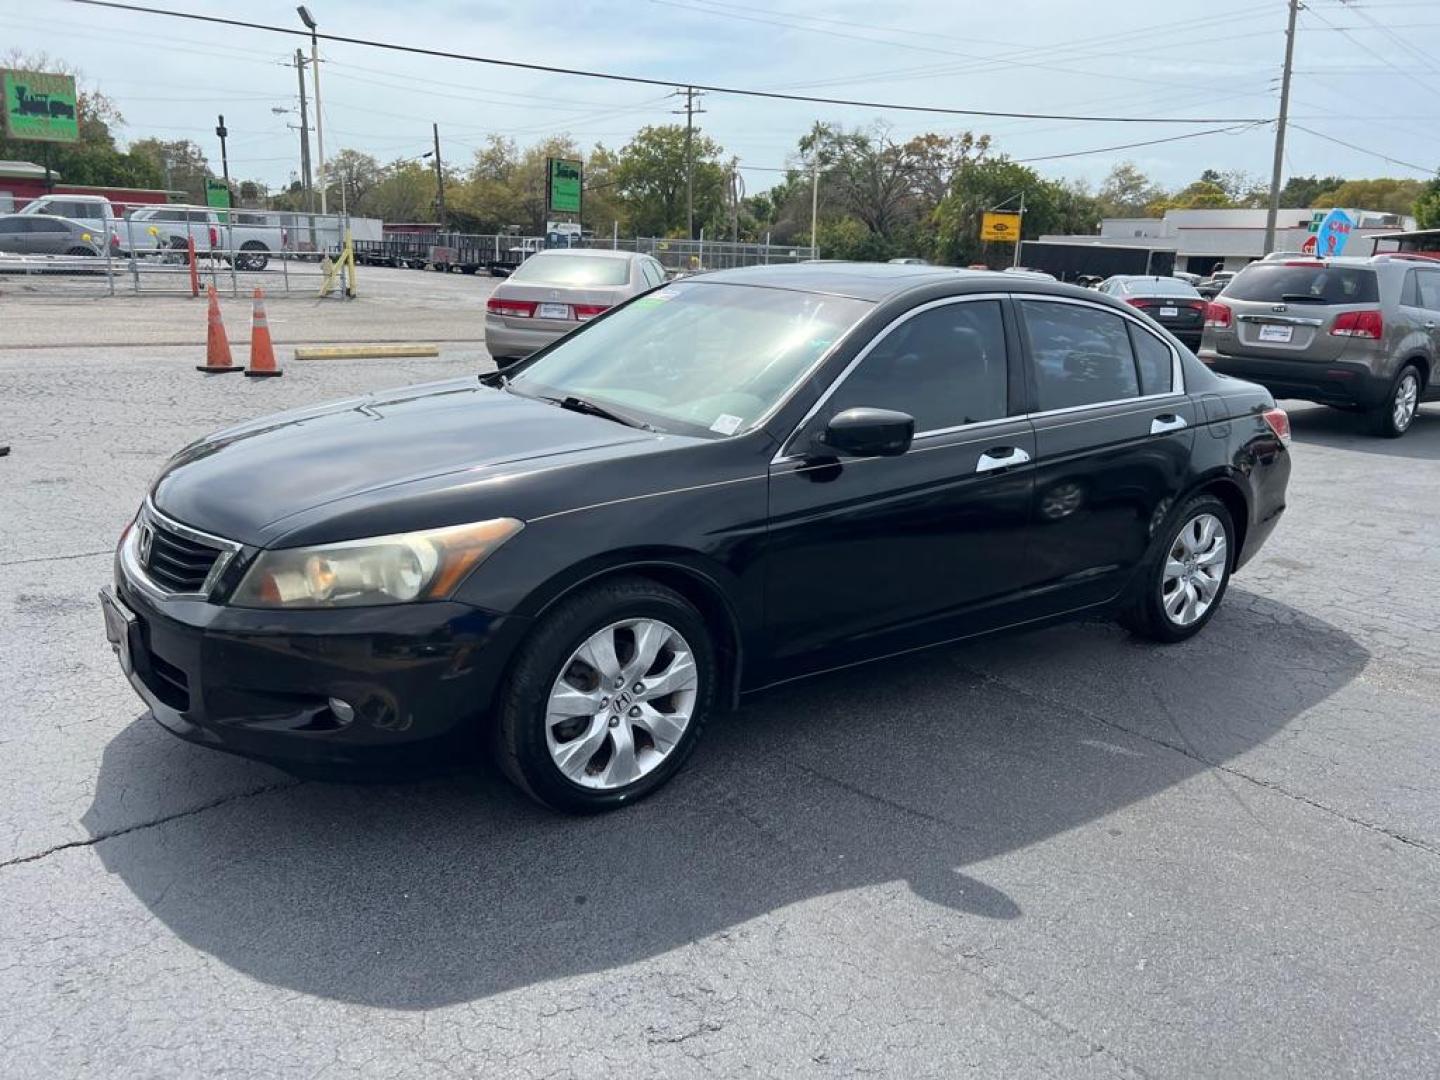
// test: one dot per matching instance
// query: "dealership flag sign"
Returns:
(40, 107)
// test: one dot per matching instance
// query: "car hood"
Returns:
(371, 465)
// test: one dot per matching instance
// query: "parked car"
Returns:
(1043, 275)
(731, 482)
(251, 244)
(1356, 333)
(1210, 287)
(553, 292)
(45, 234)
(1172, 303)
(95, 212)
(1185, 276)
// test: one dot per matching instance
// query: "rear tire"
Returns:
(1183, 579)
(630, 739)
(1393, 419)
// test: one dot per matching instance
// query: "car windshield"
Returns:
(1161, 287)
(554, 268)
(1316, 283)
(695, 356)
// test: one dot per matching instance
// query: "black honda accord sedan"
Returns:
(726, 483)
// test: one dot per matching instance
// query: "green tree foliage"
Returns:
(179, 164)
(1427, 206)
(1127, 192)
(983, 185)
(649, 180)
(1300, 191)
(1386, 194)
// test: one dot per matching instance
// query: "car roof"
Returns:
(865, 281)
(588, 253)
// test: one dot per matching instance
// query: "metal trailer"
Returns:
(1069, 261)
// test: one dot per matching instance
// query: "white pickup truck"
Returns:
(248, 237)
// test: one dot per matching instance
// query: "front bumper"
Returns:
(1333, 383)
(260, 683)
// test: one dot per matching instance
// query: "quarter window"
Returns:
(1082, 355)
(945, 367)
(1428, 283)
(1152, 356)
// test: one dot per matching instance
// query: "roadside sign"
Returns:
(40, 107)
(1333, 233)
(562, 234)
(1000, 225)
(563, 185)
(217, 194)
(1315, 219)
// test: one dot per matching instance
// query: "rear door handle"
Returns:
(1166, 422)
(1001, 457)
(1429, 326)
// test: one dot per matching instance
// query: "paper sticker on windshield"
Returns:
(726, 424)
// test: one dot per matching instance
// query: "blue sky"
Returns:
(1360, 76)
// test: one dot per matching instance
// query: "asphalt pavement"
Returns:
(1065, 853)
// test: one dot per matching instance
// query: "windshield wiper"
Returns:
(1302, 298)
(494, 378)
(590, 408)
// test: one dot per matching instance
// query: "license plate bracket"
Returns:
(1169, 312)
(554, 311)
(120, 624)
(1276, 333)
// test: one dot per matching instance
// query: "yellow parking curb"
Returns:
(363, 352)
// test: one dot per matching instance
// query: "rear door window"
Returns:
(1427, 283)
(1081, 355)
(1281, 283)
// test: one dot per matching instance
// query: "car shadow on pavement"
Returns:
(1351, 431)
(905, 773)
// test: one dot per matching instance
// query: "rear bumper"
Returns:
(1334, 383)
(259, 683)
(502, 340)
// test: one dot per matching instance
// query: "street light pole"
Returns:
(222, 131)
(305, 177)
(1279, 165)
(309, 21)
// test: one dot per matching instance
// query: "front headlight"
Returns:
(426, 565)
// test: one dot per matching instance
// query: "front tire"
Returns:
(1394, 418)
(1185, 574)
(607, 697)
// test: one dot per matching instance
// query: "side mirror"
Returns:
(866, 432)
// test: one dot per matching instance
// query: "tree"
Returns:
(180, 164)
(649, 181)
(1302, 190)
(1385, 194)
(982, 185)
(1427, 206)
(406, 193)
(1126, 192)
(350, 177)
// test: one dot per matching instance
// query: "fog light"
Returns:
(343, 710)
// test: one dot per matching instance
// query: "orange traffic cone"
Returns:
(262, 353)
(217, 345)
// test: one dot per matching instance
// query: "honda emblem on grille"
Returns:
(146, 538)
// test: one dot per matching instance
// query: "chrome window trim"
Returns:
(135, 572)
(781, 455)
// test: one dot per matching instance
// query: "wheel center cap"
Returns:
(622, 701)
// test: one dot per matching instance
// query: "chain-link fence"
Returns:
(692, 256)
(174, 249)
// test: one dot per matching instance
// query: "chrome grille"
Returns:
(176, 563)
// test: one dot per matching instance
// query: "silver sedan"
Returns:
(45, 234)
(553, 292)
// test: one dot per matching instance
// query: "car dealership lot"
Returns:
(1064, 852)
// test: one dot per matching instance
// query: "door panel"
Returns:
(871, 555)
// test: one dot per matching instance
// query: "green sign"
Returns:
(40, 107)
(563, 185)
(217, 194)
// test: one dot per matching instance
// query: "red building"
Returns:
(21, 181)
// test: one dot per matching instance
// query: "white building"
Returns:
(1206, 240)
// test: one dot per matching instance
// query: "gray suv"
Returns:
(1361, 334)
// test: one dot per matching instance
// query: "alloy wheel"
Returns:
(1406, 400)
(621, 704)
(1195, 568)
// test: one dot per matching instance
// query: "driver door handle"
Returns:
(1001, 457)
(1166, 422)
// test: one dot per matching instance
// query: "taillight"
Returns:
(518, 309)
(1217, 315)
(1361, 324)
(589, 311)
(1136, 301)
(1279, 421)
(1195, 305)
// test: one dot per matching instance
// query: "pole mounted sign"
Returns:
(563, 185)
(1000, 225)
(39, 107)
(217, 193)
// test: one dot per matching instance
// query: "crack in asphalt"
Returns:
(112, 834)
(1194, 755)
(58, 558)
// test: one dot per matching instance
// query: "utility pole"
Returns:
(1279, 166)
(305, 178)
(309, 21)
(439, 179)
(691, 95)
(814, 206)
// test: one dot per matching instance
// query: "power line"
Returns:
(1362, 150)
(1134, 145)
(643, 80)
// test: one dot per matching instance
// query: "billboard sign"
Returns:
(40, 107)
(1334, 232)
(1000, 225)
(563, 185)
